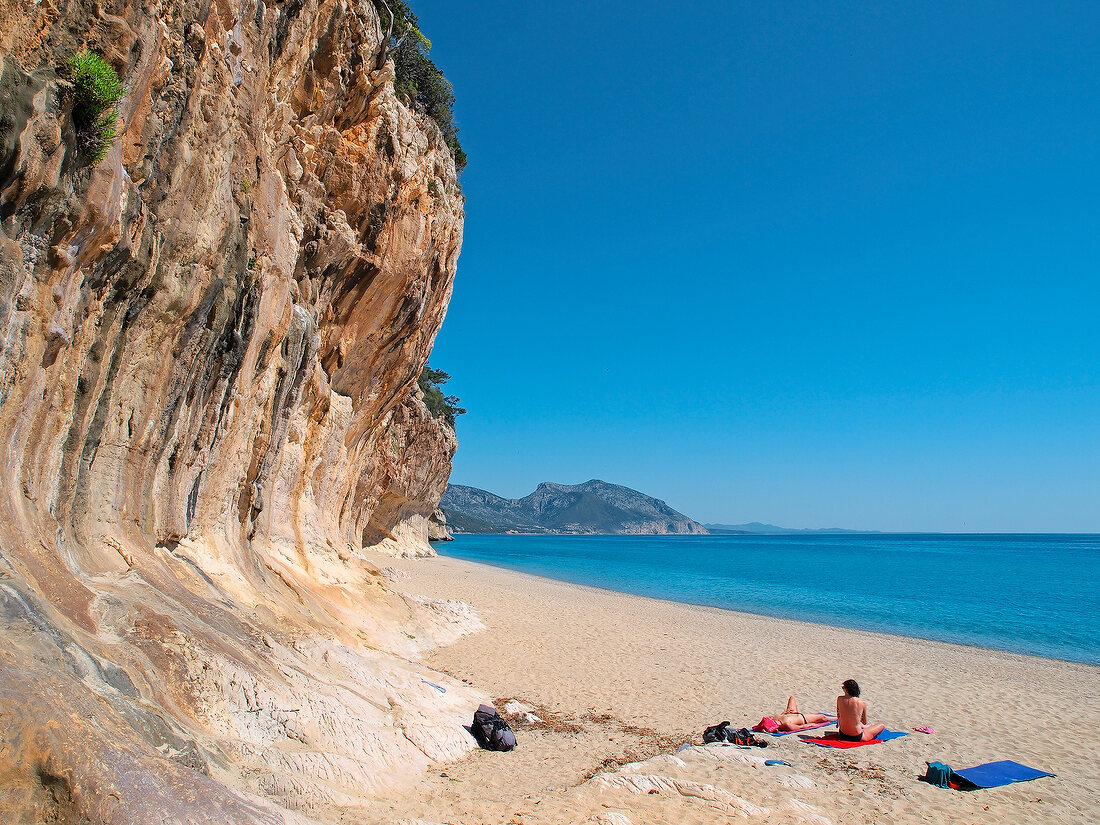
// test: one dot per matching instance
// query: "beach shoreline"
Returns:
(958, 590)
(625, 678)
(768, 616)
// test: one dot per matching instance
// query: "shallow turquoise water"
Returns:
(1034, 594)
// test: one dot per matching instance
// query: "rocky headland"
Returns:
(594, 507)
(209, 348)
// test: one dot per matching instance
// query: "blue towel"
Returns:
(995, 774)
(887, 735)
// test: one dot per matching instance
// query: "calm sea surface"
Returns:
(1035, 594)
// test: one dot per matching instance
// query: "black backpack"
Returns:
(715, 733)
(722, 733)
(490, 731)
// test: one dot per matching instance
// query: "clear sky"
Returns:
(808, 263)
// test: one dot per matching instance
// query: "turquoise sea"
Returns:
(1033, 594)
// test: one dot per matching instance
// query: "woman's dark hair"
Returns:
(851, 687)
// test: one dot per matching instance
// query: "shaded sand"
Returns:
(622, 679)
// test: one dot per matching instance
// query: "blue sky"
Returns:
(809, 263)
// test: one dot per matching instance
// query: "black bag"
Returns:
(715, 733)
(490, 731)
(744, 736)
(722, 733)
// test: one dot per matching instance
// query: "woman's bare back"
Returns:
(851, 713)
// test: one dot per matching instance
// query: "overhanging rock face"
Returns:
(209, 345)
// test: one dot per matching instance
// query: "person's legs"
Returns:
(817, 718)
(792, 705)
(872, 731)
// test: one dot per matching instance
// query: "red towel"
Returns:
(834, 740)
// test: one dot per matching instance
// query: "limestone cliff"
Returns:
(209, 345)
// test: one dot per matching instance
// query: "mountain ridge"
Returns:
(593, 507)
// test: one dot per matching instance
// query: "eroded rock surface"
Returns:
(209, 345)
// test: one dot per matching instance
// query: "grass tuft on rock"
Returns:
(97, 89)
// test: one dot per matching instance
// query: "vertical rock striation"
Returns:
(209, 345)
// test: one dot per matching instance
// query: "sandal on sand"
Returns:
(924, 729)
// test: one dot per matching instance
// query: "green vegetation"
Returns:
(439, 405)
(416, 75)
(97, 89)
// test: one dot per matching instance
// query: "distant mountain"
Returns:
(594, 507)
(756, 528)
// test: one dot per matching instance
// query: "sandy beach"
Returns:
(622, 683)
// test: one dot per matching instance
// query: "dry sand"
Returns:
(619, 679)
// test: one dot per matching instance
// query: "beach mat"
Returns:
(996, 774)
(835, 740)
(789, 732)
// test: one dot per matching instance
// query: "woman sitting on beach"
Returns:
(793, 719)
(851, 712)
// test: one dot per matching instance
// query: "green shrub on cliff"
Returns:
(97, 89)
(439, 405)
(416, 76)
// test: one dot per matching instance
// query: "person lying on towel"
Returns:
(793, 719)
(851, 712)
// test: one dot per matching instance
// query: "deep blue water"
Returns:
(1034, 594)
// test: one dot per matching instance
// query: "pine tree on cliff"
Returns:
(441, 406)
(415, 75)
